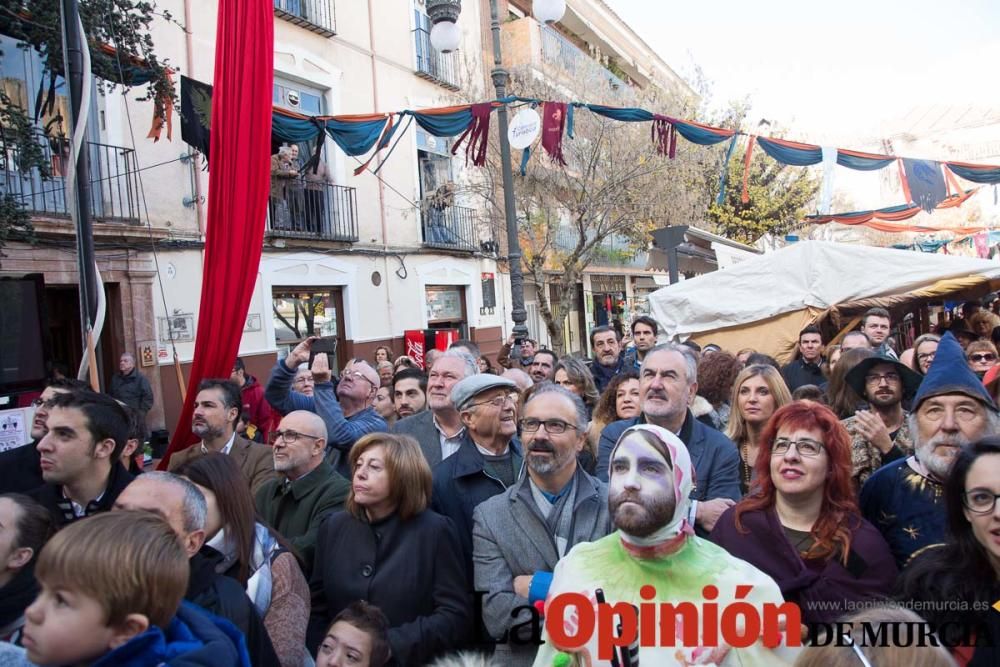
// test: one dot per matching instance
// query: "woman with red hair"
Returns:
(800, 523)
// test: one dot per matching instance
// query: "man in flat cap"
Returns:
(488, 460)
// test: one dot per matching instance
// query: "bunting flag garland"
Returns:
(898, 214)
(358, 135)
(725, 170)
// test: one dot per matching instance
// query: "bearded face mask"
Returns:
(650, 481)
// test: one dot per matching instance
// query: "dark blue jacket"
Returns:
(194, 638)
(715, 458)
(603, 374)
(460, 484)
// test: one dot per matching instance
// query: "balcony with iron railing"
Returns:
(114, 182)
(526, 42)
(304, 209)
(614, 251)
(448, 227)
(431, 64)
(313, 15)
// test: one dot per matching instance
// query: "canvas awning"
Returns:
(764, 302)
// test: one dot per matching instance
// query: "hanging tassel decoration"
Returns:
(745, 197)
(553, 124)
(478, 134)
(569, 120)
(724, 176)
(525, 156)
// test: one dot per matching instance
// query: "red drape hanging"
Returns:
(238, 186)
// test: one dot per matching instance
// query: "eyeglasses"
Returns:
(291, 437)
(552, 426)
(356, 375)
(876, 378)
(38, 402)
(497, 402)
(985, 356)
(980, 501)
(926, 356)
(804, 447)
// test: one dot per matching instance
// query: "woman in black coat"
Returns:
(388, 549)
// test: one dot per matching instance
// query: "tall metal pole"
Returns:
(73, 67)
(500, 76)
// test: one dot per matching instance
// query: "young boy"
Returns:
(111, 591)
(358, 636)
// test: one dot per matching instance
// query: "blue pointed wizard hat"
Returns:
(950, 374)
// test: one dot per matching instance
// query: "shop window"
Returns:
(307, 311)
(446, 308)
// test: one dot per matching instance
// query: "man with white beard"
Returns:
(952, 409)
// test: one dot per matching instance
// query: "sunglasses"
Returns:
(986, 356)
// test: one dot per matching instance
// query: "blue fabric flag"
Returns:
(926, 181)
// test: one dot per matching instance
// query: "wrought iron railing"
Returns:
(431, 64)
(114, 182)
(558, 50)
(315, 15)
(299, 208)
(450, 228)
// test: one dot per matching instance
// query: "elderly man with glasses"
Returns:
(520, 535)
(308, 488)
(488, 460)
(952, 409)
(346, 411)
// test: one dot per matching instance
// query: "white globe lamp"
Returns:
(548, 11)
(445, 36)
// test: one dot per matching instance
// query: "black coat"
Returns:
(461, 483)
(227, 598)
(50, 495)
(133, 390)
(412, 570)
(21, 469)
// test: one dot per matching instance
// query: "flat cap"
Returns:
(467, 389)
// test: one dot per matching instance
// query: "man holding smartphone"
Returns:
(347, 411)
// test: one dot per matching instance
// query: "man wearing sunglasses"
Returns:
(347, 411)
(952, 409)
(880, 434)
(520, 535)
(488, 460)
(307, 488)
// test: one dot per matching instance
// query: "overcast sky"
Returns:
(829, 71)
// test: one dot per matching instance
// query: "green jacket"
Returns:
(295, 510)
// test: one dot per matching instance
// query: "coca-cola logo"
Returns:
(415, 350)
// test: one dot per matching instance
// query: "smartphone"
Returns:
(327, 345)
(519, 342)
(863, 405)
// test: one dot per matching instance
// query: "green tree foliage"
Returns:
(779, 197)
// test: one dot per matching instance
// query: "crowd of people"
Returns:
(389, 514)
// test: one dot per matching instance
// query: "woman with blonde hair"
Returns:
(981, 356)
(983, 323)
(759, 391)
(390, 550)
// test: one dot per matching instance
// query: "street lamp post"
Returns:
(446, 11)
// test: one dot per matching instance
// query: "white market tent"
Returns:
(763, 302)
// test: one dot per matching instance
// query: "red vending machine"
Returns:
(418, 341)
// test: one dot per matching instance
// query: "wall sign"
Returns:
(179, 328)
(444, 304)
